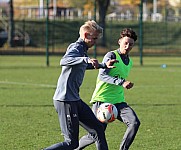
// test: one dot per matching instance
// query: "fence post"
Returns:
(95, 47)
(47, 33)
(141, 33)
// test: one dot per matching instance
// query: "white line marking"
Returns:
(160, 86)
(32, 84)
(53, 86)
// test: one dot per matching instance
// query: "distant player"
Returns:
(110, 88)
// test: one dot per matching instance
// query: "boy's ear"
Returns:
(119, 41)
(86, 35)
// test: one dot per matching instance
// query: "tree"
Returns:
(11, 24)
(130, 2)
(75, 3)
(103, 7)
(25, 2)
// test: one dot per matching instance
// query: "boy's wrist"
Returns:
(122, 81)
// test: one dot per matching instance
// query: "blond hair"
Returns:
(91, 26)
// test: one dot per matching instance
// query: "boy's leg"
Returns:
(129, 117)
(69, 123)
(95, 128)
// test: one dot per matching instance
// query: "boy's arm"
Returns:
(104, 73)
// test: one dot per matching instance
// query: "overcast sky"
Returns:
(4, 0)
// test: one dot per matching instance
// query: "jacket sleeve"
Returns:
(101, 65)
(70, 61)
(104, 73)
(73, 57)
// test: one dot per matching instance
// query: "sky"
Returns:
(4, 0)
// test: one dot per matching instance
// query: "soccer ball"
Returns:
(107, 113)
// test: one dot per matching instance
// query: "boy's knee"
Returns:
(73, 144)
(136, 124)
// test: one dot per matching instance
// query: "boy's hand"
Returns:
(110, 63)
(94, 63)
(127, 84)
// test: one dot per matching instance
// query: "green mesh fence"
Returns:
(161, 30)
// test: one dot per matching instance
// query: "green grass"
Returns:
(28, 120)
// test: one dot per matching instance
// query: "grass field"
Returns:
(28, 120)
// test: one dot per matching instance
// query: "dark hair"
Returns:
(128, 32)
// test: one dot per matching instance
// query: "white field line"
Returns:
(54, 86)
(23, 83)
(160, 86)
